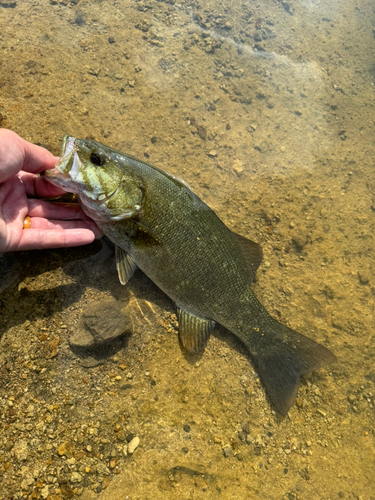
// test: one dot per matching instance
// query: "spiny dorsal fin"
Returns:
(194, 331)
(125, 265)
(251, 251)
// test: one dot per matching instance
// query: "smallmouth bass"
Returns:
(159, 225)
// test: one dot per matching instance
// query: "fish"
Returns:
(161, 227)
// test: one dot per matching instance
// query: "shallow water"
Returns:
(267, 111)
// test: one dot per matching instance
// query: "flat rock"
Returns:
(100, 323)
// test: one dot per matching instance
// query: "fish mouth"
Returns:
(69, 161)
(68, 145)
(67, 168)
(68, 150)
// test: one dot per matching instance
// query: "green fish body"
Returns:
(159, 225)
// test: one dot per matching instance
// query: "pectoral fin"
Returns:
(194, 331)
(125, 265)
(143, 236)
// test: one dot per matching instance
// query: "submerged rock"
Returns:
(100, 323)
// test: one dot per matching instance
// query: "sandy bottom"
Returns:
(267, 111)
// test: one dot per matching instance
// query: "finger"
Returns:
(17, 154)
(39, 239)
(13, 201)
(36, 158)
(41, 223)
(55, 210)
(11, 154)
(38, 187)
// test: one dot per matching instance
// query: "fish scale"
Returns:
(161, 226)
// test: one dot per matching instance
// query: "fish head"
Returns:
(96, 173)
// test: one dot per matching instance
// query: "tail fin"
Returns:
(281, 356)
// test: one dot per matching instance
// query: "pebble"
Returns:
(364, 276)
(44, 492)
(100, 323)
(66, 449)
(202, 132)
(101, 469)
(270, 103)
(21, 450)
(246, 427)
(226, 451)
(238, 167)
(130, 437)
(133, 445)
(212, 153)
(27, 481)
(120, 435)
(242, 436)
(76, 477)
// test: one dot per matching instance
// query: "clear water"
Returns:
(267, 111)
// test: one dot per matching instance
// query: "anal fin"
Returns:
(125, 265)
(194, 331)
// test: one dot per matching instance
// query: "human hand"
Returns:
(52, 225)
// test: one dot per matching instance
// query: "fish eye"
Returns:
(97, 159)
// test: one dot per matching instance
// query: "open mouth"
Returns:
(69, 162)
(68, 145)
(67, 168)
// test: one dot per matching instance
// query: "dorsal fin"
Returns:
(252, 252)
